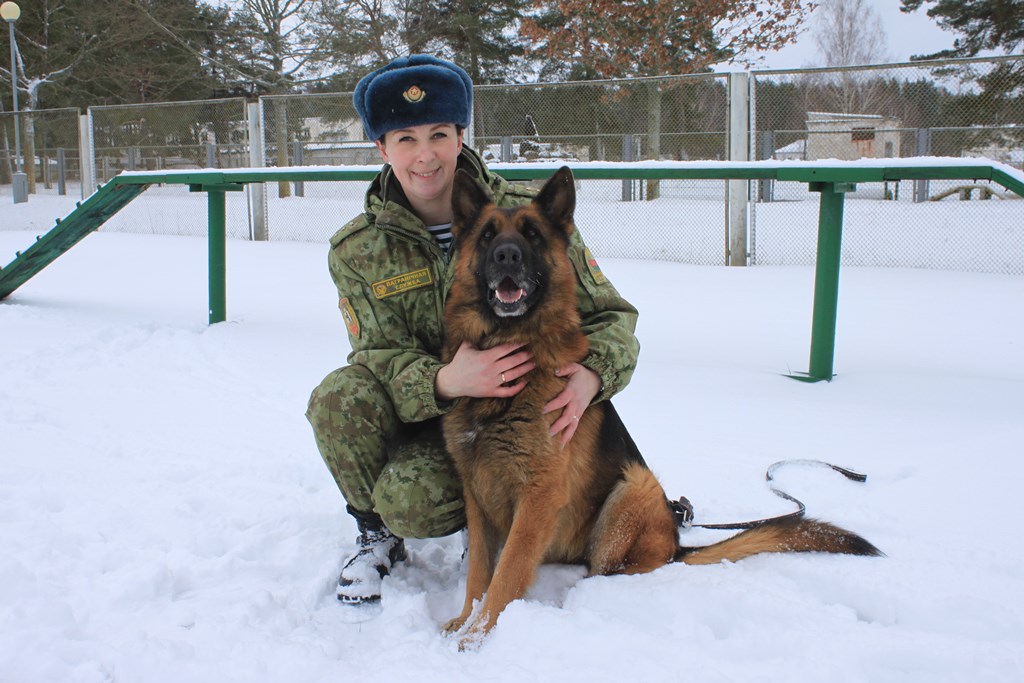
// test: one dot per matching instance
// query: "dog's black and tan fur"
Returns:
(594, 502)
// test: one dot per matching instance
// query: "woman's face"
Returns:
(424, 159)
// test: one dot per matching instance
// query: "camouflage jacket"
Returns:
(392, 278)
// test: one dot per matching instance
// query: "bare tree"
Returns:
(284, 44)
(848, 33)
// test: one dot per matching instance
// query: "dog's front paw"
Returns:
(471, 637)
(454, 625)
(472, 640)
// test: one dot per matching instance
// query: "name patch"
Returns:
(402, 283)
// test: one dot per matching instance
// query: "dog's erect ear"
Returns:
(557, 199)
(468, 198)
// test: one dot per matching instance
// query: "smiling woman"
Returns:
(377, 420)
(424, 159)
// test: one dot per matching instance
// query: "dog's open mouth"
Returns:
(509, 291)
(508, 297)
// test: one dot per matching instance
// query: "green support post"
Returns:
(217, 239)
(216, 221)
(826, 279)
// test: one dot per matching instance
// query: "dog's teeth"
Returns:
(510, 297)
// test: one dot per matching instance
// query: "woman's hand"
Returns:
(579, 391)
(491, 373)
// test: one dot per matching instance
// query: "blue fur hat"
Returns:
(411, 91)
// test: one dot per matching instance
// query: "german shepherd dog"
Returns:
(593, 502)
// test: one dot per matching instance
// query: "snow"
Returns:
(164, 514)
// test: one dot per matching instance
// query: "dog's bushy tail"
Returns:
(790, 535)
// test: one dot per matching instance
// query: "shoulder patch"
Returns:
(595, 269)
(402, 283)
(349, 314)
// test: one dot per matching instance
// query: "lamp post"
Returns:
(9, 12)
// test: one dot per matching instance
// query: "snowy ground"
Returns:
(164, 514)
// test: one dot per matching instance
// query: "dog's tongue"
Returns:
(508, 292)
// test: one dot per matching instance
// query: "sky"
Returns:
(907, 34)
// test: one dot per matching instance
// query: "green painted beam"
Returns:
(1008, 181)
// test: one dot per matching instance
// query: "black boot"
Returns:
(378, 551)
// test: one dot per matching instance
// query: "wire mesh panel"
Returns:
(49, 150)
(313, 130)
(172, 136)
(956, 108)
(950, 108)
(681, 117)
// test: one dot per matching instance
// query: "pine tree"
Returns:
(981, 26)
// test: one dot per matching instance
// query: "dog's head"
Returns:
(517, 255)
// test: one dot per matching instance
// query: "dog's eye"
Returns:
(531, 232)
(488, 234)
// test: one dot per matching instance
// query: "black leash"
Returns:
(682, 509)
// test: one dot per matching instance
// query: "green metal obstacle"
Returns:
(830, 179)
(87, 217)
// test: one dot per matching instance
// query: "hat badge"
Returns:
(414, 94)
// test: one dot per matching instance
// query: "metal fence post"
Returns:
(211, 155)
(62, 185)
(300, 187)
(86, 155)
(766, 186)
(628, 154)
(506, 148)
(739, 150)
(257, 191)
(924, 148)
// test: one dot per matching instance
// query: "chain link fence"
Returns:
(313, 130)
(960, 108)
(50, 154)
(950, 108)
(171, 136)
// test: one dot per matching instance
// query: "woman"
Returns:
(377, 420)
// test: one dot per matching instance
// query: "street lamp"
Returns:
(9, 12)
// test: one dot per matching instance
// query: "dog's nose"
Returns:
(507, 254)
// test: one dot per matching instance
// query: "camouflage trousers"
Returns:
(400, 471)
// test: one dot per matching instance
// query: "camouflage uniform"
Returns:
(377, 420)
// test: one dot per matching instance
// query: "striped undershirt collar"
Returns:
(443, 234)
